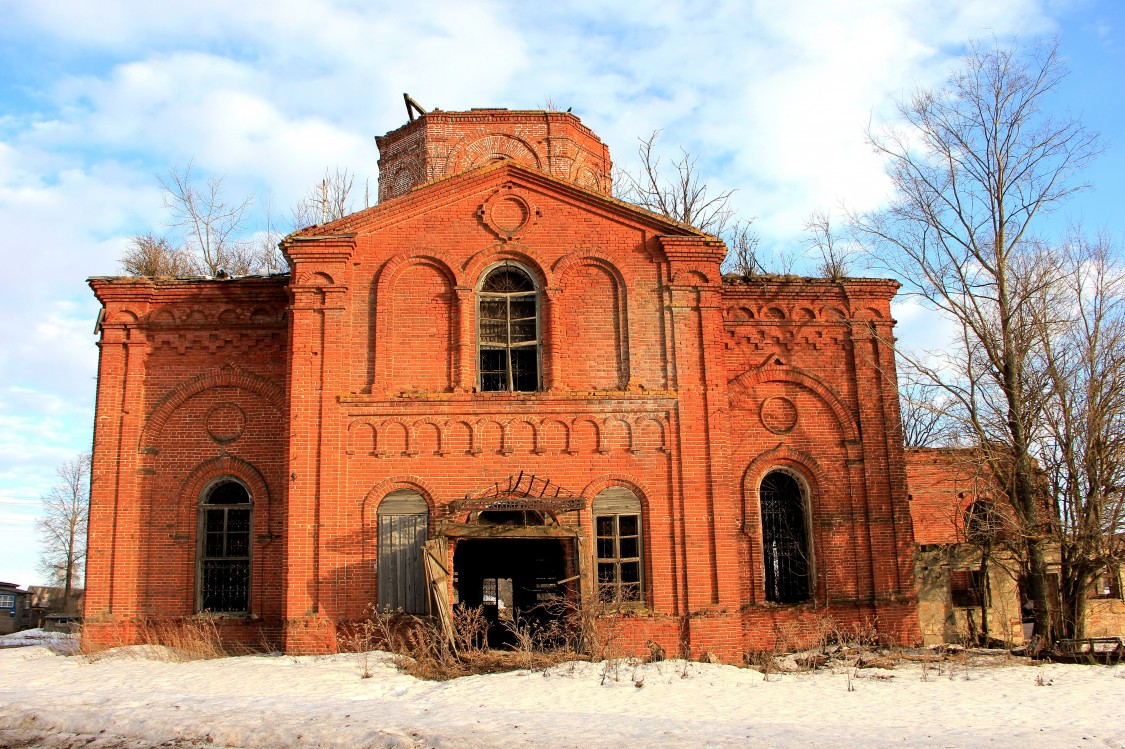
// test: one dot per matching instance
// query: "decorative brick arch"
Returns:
(394, 483)
(563, 264)
(465, 156)
(784, 456)
(398, 264)
(228, 376)
(315, 279)
(776, 373)
(473, 269)
(605, 481)
(384, 308)
(225, 465)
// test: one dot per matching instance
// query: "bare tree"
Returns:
(835, 250)
(743, 248)
(211, 225)
(925, 411)
(328, 200)
(1081, 323)
(975, 164)
(676, 190)
(153, 255)
(62, 527)
(267, 256)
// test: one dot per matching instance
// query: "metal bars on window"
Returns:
(508, 331)
(224, 566)
(784, 539)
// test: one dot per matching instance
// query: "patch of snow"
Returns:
(60, 642)
(281, 702)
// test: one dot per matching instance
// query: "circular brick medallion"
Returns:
(509, 214)
(779, 415)
(225, 423)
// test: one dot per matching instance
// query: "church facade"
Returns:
(499, 387)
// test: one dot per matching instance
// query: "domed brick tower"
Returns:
(441, 144)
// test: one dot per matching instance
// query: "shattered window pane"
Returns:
(508, 332)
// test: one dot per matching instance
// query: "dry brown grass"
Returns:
(421, 650)
(193, 639)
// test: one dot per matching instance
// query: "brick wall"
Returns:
(357, 375)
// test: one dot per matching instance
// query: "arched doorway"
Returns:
(513, 558)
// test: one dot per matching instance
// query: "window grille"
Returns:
(508, 331)
(785, 544)
(226, 519)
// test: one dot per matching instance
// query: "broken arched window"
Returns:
(508, 331)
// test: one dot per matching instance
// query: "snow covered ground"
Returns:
(124, 701)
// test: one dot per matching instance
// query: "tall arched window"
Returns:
(225, 525)
(403, 526)
(785, 546)
(617, 531)
(508, 331)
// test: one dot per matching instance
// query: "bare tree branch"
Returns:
(210, 224)
(326, 201)
(62, 527)
(974, 165)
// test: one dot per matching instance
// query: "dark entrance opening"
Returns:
(514, 579)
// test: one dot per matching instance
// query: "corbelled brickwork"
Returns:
(359, 375)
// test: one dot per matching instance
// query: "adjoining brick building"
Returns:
(504, 376)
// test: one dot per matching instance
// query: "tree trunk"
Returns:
(1037, 587)
(985, 633)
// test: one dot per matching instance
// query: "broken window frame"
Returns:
(511, 377)
(965, 589)
(787, 562)
(209, 563)
(1106, 584)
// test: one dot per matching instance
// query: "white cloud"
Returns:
(772, 97)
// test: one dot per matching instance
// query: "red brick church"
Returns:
(496, 386)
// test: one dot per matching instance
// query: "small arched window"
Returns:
(785, 545)
(983, 523)
(225, 525)
(508, 331)
(617, 530)
(403, 527)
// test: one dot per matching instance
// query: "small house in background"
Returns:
(1105, 609)
(968, 580)
(965, 536)
(15, 609)
(52, 611)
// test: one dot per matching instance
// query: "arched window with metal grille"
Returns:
(785, 539)
(225, 525)
(508, 331)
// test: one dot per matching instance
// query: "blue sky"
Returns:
(97, 99)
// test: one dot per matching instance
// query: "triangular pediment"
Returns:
(435, 195)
